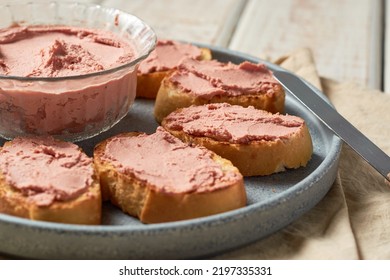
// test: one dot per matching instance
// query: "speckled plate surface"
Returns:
(273, 202)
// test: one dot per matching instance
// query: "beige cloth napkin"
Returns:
(353, 220)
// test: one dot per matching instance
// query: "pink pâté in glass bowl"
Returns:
(68, 69)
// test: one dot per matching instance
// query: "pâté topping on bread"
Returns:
(158, 178)
(168, 55)
(255, 141)
(202, 82)
(46, 179)
(210, 78)
(46, 170)
(165, 57)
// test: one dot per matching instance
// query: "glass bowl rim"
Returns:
(97, 73)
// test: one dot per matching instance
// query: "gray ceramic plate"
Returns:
(273, 202)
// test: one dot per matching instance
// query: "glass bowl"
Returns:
(74, 107)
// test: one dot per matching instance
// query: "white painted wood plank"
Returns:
(80, 1)
(386, 76)
(344, 35)
(202, 21)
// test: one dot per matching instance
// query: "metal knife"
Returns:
(337, 123)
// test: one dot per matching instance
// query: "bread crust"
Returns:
(258, 157)
(170, 98)
(151, 205)
(149, 84)
(85, 209)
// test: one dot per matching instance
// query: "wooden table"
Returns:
(348, 37)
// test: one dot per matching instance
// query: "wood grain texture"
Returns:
(79, 1)
(202, 21)
(386, 66)
(344, 35)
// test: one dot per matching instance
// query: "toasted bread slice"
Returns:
(33, 184)
(148, 177)
(162, 60)
(255, 141)
(206, 82)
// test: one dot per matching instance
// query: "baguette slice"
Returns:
(148, 176)
(255, 141)
(205, 82)
(161, 61)
(48, 180)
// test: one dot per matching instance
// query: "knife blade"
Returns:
(335, 122)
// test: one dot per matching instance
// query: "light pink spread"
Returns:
(167, 55)
(58, 51)
(210, 78)
(59, 106)
(233, 123)
(168, 164)
(46, 170)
